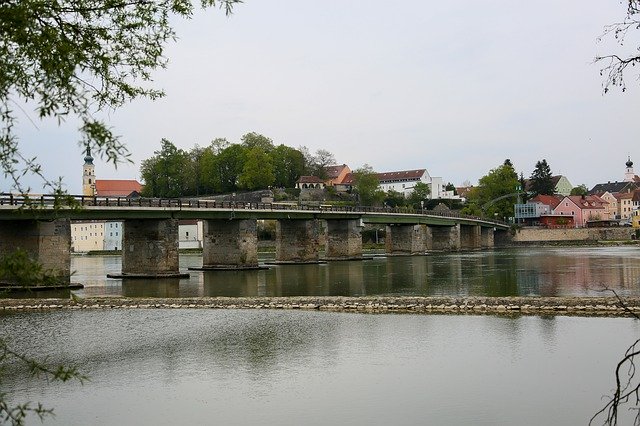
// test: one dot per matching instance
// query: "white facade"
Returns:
(405, 182)
(190, 235)
(87, 236)
(404, 186)
(113, 235)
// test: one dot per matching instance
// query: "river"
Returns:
(245, 367)
(572, 271)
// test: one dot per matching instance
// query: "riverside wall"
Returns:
(535, 235)
(582, 306)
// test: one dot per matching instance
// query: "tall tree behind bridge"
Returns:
(541, 182)
(496, 193)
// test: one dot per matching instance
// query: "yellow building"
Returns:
(635, 219)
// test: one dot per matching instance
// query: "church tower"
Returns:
(629, 174)
(88, 175)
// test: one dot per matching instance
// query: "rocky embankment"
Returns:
(583, 306)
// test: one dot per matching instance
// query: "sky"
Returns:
(453, 87)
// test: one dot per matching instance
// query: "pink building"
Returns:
(582, 208)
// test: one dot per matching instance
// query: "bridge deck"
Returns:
(13, 207)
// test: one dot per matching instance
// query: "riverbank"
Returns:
(582, 306)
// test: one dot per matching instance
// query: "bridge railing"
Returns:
(52, 201)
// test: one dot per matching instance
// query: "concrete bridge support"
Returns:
(470, 237)
(47, 242)
(445, 238)
(150, 248)
(230, 244)
(297, 241)
(406, 239)
(344, 239)
(486, 237)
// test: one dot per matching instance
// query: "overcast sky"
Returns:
(453, 87)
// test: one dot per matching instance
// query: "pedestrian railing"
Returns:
(79, 201)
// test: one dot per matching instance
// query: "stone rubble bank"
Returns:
(583, 306)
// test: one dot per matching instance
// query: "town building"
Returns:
(310, 182)
(582, 208)
(561, 185)
(336, 174)
(625, 204)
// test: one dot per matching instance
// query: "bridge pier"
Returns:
(486, 237)
(297, 241)
(406, 239)
(470, 237)
(47, 242)
(445, 238)
(230, 244)
(344, 239)
(150, 249)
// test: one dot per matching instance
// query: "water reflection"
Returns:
(514, 272)
(277, 367)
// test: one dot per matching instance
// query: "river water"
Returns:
(246, 367)
(514, 272)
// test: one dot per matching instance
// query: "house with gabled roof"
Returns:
(612, 206)
(336, 174)
(404, 181)
(625, 204)
(561, 185)
(310, 182)
(582, 208)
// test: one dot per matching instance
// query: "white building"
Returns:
(87, 236)
(405, 181)
(113, 235)
(190, 234)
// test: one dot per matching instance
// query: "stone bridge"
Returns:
(41, 226)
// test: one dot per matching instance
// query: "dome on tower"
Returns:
(88, 159)
(629, 163)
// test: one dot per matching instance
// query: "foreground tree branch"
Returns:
(615, 66)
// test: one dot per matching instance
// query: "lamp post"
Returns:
(422, 206)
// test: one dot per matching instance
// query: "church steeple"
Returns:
(88, 175)
(629, 175)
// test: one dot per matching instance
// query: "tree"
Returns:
(616, 65)
(73, 58)
(451, 187)
(541, 182)
(419, 194)
(288, 165)
(579, 190)
(257, 171)
(367, 186)
(494, 196)
(166, 173)
(256, 140)
(394, 198)
(229, 165)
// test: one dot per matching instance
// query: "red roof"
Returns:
(401, 175)
(548, 200)
(116, 187)
(348, 179)
(334, 171)
(588, 201)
